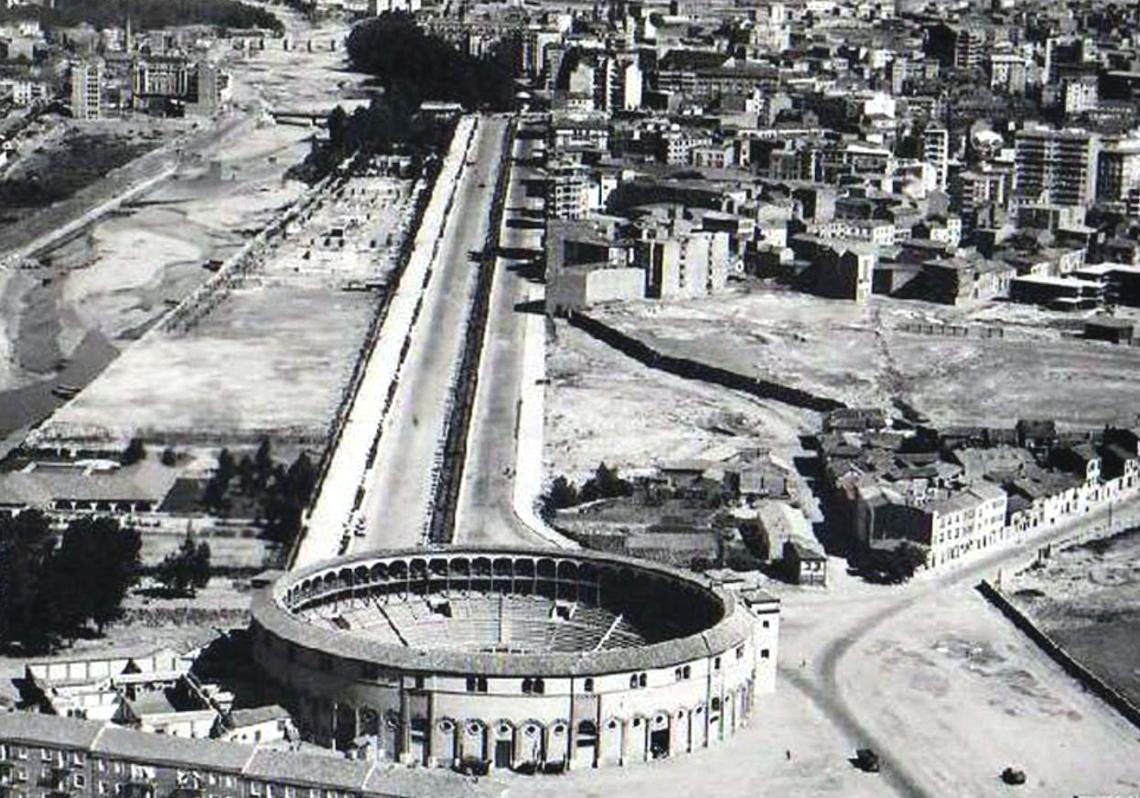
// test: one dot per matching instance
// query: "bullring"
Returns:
(513, 658)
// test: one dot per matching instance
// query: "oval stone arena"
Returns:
(536, 661)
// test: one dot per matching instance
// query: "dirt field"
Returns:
(864, 356)
(125, 272)
(1087, 598)
(602, 405)
(268, 361)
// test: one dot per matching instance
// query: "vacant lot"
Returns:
(869, 355)
(602, 405)
(268, 361)
(1087, 597)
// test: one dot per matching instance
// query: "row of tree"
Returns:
(279, 494)
(606, 483)
(54, 587)
(146, 14)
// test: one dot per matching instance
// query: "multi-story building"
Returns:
(1008, 73)
(1118, 169)
(568, 190)
(618, 83)
(1079, 94)
(87, 89)
(972, 189)
(161, 78)
(1059, 165)
(683, 265)
(46, 755)
(936, 152)
(964, 522)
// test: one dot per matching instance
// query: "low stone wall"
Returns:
(696, 370)
(1068, 663)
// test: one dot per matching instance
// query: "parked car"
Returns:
(867, 760)
(1013, 776)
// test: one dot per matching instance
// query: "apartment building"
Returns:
(1118, 169)
(684, 265)
(1058, 164)
(936, 152)
(87, 90)
(568, 190)
(964, 522)
(45, 755)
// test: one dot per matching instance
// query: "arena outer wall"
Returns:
(442, 707)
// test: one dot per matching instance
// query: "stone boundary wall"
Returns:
(1089, 680)
(696, 370)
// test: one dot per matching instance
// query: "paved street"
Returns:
(485, 513)
(400, 491)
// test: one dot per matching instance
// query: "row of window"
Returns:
(123, 769)
(46, 754)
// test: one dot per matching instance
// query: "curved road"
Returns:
(846, 648)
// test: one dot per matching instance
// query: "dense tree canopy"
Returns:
(421, 67)
(52, 588)
(147, 14)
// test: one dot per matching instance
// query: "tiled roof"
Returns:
(163, 749)
(30, 728)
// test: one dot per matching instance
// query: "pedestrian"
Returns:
(788, 755)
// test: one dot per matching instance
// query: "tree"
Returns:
(562, 494)
(262, 463)
(96, 565)
(26, 605)
(214, 496)
(135, 451)
(287, 496)
(169, 457)
(184, 572)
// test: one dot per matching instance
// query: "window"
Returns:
(103, 789)
(716, 664)
(641, 680)
(45, 755)
(419, 682)
(766, 624)
(740, 652)
(539, 686)
(482, 684)
(254, 788)
(588, 686)
(79, 780)
(633, 681)
(763, 653)
(686, 672)
(528, 686)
